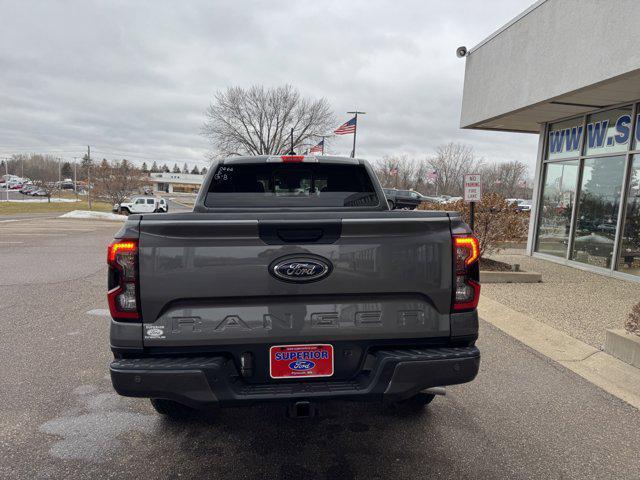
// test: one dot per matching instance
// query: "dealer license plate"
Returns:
(301, 361)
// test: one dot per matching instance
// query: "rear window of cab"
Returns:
(291, 185)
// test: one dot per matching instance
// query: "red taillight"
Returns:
(121, 246)
(122, 257)
(292, 158)
(466, 251)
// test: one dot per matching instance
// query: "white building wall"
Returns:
(556, 47)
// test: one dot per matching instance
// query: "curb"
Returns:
(623, 345)
(601, 369)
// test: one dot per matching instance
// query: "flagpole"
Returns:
(323, 137)
(353, 152)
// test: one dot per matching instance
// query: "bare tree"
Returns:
(258, 121)
(450, 163)
(506, 179)
(117, 180)
(402, 172)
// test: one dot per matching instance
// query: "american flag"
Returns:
(318, 148)
(346, 128)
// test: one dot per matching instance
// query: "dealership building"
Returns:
(176, 182)
(569, 71)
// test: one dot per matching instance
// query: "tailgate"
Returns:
(211, 281)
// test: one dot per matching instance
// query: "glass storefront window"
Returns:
(608, 132)
(629, 258)
(555, 208)
(563, 139)
(597, 213)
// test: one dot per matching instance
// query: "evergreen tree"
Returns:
(176, 168)
(144, 168)
(185, 168)
(195, 170)
(66, 171)
(85, 165)
(165, 168)
(203, 171)
(154, 167)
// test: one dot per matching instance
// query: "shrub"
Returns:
(496, 220)
(632, 325)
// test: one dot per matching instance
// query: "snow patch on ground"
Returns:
(44, 200)
(94, 215)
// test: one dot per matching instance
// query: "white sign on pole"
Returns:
(472, 187)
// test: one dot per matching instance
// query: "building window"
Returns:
(608, 132)
(563, 140)
(629, 258)
(185, 188)
(597, 210)
(558, 197)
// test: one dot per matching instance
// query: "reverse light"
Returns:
(466, 251)
(122, 257)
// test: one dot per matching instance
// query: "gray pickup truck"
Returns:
(292, 281)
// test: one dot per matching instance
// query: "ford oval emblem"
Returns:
(302, 365)
(300, 269)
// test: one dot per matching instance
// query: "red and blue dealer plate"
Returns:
(301, 361)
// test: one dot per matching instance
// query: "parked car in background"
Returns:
(403, 198)
(521, 204)
(524, 206)
(28, 188)
(431, 199)
(143, 205)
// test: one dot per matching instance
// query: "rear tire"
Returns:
(171, 409)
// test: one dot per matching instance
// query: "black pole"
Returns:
(353, 151)
(355, 132)
(472, 215)
(292, 152)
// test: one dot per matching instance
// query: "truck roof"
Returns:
(291, 159)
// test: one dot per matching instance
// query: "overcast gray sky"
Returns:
(133, 79)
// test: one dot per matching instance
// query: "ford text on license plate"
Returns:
(301, 361)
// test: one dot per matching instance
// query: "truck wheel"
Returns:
(171, 409)
(125, 211)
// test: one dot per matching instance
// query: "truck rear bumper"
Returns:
(205, 381)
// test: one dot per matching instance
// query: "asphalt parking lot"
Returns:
(523, 417)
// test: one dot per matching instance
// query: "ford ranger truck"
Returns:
(292, 281)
